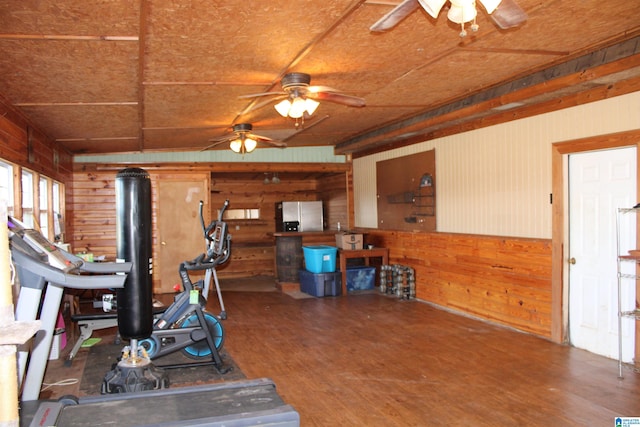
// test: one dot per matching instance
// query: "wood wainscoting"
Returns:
(502, 279)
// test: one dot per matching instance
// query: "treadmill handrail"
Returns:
(56, 276)
(97, 267)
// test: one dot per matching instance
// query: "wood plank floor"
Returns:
(372, 360)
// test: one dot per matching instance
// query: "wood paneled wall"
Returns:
(252, 240)
(332, 191)
(23, 145)
(252, 243)
(502, 279)
(91, 210)
(92, 204)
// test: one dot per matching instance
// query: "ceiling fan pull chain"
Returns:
(463, 32)
(474, 27)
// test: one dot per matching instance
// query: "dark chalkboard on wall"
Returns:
(406, 191)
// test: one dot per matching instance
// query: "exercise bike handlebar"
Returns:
(207, 229)
(204, 228)
(201, 262)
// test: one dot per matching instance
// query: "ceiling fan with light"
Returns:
(243, 140)
(299, 99)
(504, 13)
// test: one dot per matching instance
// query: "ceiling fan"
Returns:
(298, 98)
(243, 141)
(504, 13)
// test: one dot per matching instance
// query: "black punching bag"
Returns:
(133, 244)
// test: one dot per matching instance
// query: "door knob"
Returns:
(163, 243)
(572, 260)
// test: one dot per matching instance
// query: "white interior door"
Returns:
(599, 183)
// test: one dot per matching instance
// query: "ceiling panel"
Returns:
(70, 17)
(147, 75)
(64, 71)
(81, 121)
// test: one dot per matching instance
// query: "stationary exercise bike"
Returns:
(185, 325)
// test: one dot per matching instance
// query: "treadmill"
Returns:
(44, 270)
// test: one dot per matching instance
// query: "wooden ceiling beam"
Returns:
(218, 167)
(476, 122)
(145, 13)
(582, 73)
(68, 37)
(74, 104)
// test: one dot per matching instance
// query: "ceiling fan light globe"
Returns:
(298, 107)
(283, 107)
(250, 144)
(311, 105)
(461, 12)
(490, 5)
(432, 7)
(236, 145)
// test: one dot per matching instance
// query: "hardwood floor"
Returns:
(373, 360)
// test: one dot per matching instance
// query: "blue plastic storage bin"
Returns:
(321, 284)
(360, 278)
(320, 259)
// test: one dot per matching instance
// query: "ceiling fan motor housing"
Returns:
(295, 80)
(243, 127)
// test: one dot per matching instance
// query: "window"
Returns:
(27, 198)
(42, 207)
(58, 223)
(6, 185)
(241, 214)
(41, 200)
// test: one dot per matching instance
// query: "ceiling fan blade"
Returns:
(508, 14)
(393, 18)
(267, 140)
(338, 98)
(316, 89)
(215, 143)
(256, 95)
(279, 144)
(259, 137)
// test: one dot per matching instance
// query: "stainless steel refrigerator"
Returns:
(308, 215)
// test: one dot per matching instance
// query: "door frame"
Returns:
(560, 206)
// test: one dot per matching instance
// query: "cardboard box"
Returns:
(350, 241)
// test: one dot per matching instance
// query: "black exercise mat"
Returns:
(103, 356)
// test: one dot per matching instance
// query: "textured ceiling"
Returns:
(146, 75)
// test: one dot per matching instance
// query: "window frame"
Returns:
(47, 198)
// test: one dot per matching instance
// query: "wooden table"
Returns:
(345, 254)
